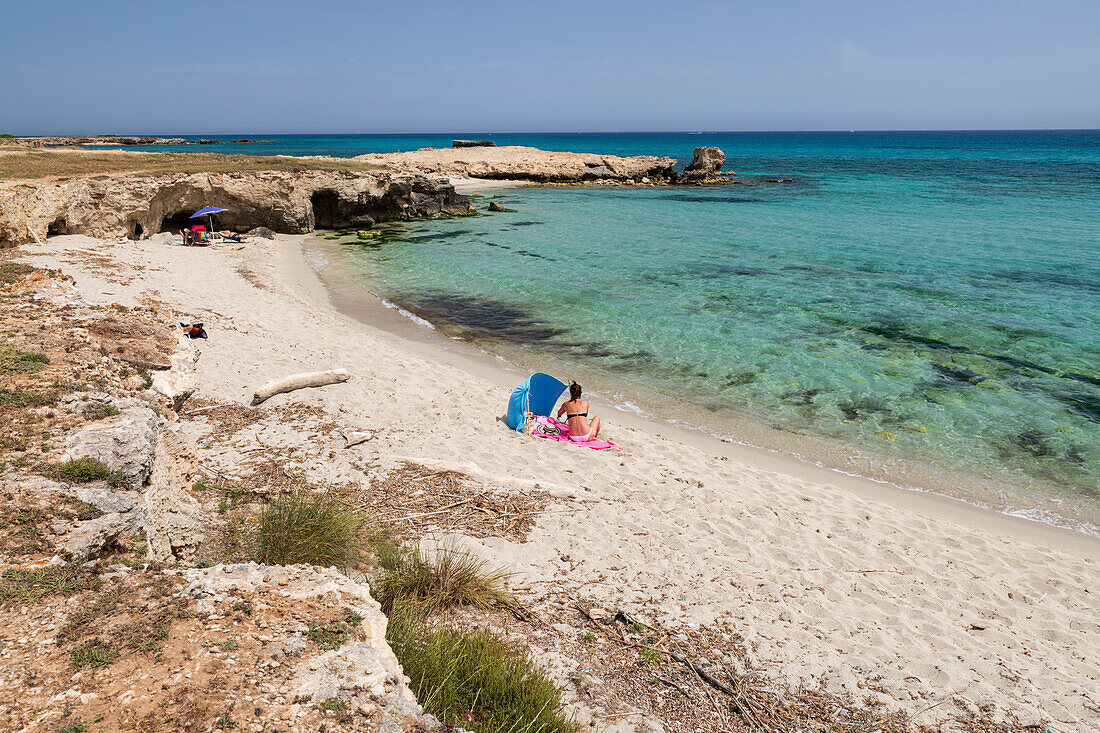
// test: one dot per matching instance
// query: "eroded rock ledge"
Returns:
(514, 162)
(284, 201)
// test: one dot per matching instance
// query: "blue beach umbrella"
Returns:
(208, 212)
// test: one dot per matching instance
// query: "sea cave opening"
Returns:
(326, 209)
(178, 221)
(57, 226)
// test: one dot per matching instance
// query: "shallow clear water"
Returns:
(913, 299)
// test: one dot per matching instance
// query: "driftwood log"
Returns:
(298, 381)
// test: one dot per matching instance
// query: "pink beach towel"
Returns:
(564, 435)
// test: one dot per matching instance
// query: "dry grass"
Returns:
(64, 164)
(445, 578)
(303, 526)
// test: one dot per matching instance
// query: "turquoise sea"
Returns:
(919, 307)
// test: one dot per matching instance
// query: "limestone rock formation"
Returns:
(261, 232)
(179, 382)
(511, 162)
(705, 166)
(92, 536)
(494, 206)
(123, 442)
(283, 201)
(473, 144)
(363, 673)
(174, 519)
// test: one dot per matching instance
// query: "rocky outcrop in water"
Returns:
(517, 163)
(705, 166)
(473, 144)
(283, 201)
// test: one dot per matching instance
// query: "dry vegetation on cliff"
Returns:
(63, 164)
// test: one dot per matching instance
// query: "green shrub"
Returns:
(98, 412)
(72, 726)
(303, 526)
(473, 679)
(13, 361)
(12, 271)
(443, 579)
(86, 470)
(25, 399)
(331, 635)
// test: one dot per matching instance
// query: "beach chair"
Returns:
(201, 235)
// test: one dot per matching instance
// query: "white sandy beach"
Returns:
(828, 578)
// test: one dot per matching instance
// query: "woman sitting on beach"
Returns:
(581, 427)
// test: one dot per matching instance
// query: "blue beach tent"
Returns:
(538, 394)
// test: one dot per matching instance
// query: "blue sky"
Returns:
(280, 67)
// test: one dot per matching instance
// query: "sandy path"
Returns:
(824, 583)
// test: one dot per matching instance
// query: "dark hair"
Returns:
(574, 390)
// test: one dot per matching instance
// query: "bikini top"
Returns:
(570, 416)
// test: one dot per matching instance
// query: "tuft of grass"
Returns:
(202, 485)
(72, 726)
(86, 470)
(473, 679)
(302, 526)
(13, 361)
(98, 412)
(94, 653)
(336, 705)
(443, 579)
(146, 377)
(331, 635)
(30, 585)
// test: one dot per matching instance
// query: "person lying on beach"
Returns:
(581, 427)
(232, 236)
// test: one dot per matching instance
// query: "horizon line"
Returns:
(580, 132)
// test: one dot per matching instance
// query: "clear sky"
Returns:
(273, 66)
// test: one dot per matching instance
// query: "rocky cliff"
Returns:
(285, 201)
(512, 162)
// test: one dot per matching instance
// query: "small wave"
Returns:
(411, 316)
(627, 406)
(315, 259)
